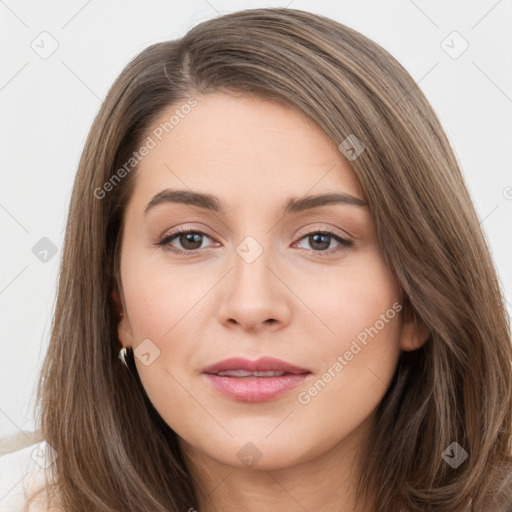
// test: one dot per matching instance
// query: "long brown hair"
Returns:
(114, 450)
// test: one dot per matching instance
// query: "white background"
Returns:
(47, 107)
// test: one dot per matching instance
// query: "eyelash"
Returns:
(165, 241)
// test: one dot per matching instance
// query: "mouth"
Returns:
(254, 381)
(243, 374)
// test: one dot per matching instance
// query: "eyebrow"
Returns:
(213, 203)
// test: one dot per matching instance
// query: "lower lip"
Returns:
(255, 389)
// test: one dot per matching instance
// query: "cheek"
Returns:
(360, 349)
(160, 304)
(349, 300)
(164, 306)
(159, 298)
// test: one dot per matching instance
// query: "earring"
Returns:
(122, 356)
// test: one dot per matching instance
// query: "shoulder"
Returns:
(23, 474)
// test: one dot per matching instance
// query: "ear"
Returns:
(124, 331)
(414, 332)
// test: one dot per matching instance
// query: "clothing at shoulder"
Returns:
(21, 473)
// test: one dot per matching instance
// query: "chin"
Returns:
(261, 455)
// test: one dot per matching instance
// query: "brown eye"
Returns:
(189, 240)
(320, 242)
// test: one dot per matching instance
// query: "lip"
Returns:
(255, 389)
(264, 364)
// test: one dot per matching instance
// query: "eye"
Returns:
(191, 240)
(321, 241)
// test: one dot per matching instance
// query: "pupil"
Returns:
(192, 238)
(315, 238)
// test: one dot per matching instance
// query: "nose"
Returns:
(254, 295)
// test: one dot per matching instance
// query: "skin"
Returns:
(291, 303)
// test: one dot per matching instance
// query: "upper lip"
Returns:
(261, 365)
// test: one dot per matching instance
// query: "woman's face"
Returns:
(256, 279)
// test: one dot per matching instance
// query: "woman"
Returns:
(263, 371)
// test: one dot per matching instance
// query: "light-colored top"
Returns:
(21, 473)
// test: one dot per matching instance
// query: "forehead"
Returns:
(242, 146)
